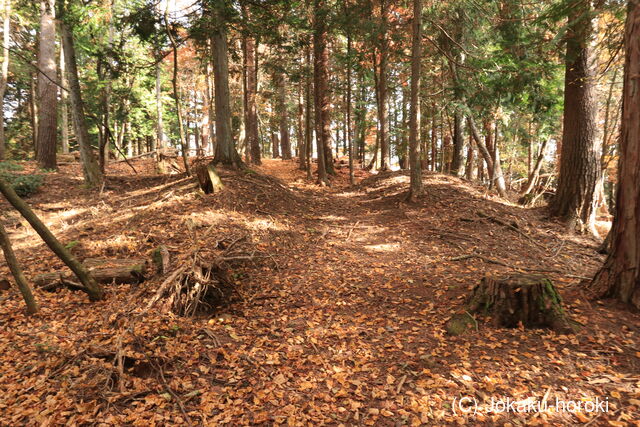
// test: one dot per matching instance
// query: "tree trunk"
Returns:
(285, 139)
(16, 271)
(47, 90)
(275, 145)
(488, 158)
(33, 112)
(458, 143)
(91, 287)
(251, 117)
(308, 128)
(225, 146)
(575, 199)
(383, 92)
(4, 73)
(349, 130)
(90, 166)
(322, 104)
(415, 185)
(535, 171)
(64, 103)
(302, 148)
(619, 277)
(176, 93)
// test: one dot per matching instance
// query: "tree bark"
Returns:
(90, 167)
(47, 90)
(322, 104)
(251, 90)
(225, 146)
(415, 185)
(619, 277)
(64, 103)
(4, 73)
(575, 199)
(383, 92)
(308, 128)
(91, 287)
(16, 271)
(285, 138)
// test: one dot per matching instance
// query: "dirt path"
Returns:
(346, 327)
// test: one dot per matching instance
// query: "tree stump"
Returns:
(530, 300)
(208, 178)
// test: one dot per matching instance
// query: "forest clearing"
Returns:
(320, 212)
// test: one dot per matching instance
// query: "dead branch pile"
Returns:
(203, 283)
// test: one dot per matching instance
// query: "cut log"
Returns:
(208, 178)
(103, 270)
(528, 300)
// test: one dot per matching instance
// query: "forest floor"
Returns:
(341, 296)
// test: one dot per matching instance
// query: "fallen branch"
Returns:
(510, 226)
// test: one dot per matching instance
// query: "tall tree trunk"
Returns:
(4, 73)
(47, 89)
(90, 166)
(308, 128)
(285, 139)
(575, 199)
(225, 146)
(33, 113)
(619, 277)
(458, 143)
(434, 142)
(161, 143)
(251, 84)
(211, 109)
(383, 92)
(349, 130)
(16, 271)
(415, 185)
(176, 93)
(275, 145)
(321, 77)
(302, 148)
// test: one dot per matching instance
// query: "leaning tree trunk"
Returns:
(47, 89)
(90, 166)
(16, 271)
(415, 185)
(91, 287)
(619, 277)
(527, 300)
(575, 199)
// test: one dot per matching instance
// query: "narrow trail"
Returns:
(344, 326)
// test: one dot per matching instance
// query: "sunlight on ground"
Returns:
(384, 247)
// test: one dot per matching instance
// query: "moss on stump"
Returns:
(530, 300)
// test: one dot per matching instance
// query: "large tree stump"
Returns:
(530, 300)
(103, 270)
